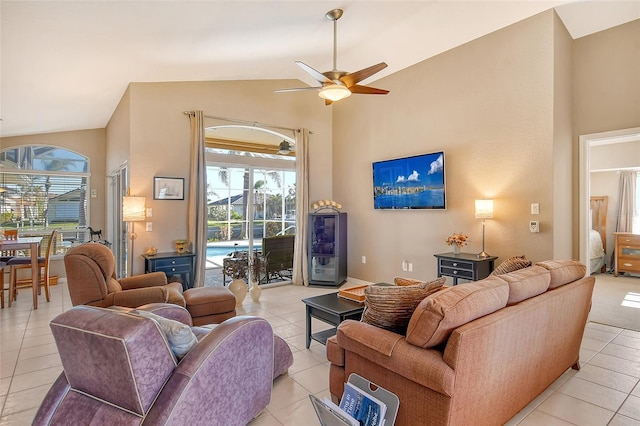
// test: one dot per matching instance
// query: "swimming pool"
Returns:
(226, 250)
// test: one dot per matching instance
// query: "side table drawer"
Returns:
(456, 264)
(167, 263)
(629, 265)
(174, 269)
(460, 273)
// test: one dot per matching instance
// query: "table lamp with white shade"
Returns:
(484, 210)
(133, 210)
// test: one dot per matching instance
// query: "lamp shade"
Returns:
(334, 92)
(484, 209)
(133, 209)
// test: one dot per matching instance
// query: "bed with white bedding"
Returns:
(598, 234)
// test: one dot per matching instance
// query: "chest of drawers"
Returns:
(464, 265)
(173, 265)
(627, 253)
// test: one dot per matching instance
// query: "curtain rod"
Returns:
(250, 123)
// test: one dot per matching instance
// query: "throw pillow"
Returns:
(512, 264)
(180, 337)
(438, 315)
(401, 281)
(391, 307)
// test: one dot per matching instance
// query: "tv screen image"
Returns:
(416, 182)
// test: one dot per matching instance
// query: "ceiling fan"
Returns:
(334, 84)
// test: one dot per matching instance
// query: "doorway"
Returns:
(588, 144)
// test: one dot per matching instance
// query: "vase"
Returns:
(239, 289)
(255, 291)
(456, 249)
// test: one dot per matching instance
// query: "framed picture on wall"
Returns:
(168, 188)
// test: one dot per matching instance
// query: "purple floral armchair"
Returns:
(119, 369)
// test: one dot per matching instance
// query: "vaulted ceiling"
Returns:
(65, 64)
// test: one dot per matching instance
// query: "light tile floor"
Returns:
(606, 391)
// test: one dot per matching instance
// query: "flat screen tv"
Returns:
(416, 182)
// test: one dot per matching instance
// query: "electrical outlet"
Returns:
(149, 226)
(364, 259)
(149, 212)
(534, 226)
(410, 267)
(535, 208)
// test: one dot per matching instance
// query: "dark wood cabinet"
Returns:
(173, 265)
(464, 265)
(327, 248)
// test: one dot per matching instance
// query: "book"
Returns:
(362, 406)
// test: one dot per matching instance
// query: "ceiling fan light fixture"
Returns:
(334, 92)
(285, 148)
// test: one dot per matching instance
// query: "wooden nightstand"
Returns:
(627, 253)
(172, 264)
(464, 265)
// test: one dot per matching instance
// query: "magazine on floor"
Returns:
(363, 403)
(362, 406)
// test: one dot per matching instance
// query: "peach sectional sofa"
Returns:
(476, 353)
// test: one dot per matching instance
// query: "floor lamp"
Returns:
(484, 210)
(133, 210)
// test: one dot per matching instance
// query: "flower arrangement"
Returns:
(458, 239)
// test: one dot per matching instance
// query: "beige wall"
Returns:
(118, 133)
(606, 88)
(563, 147)
(160, 135)
(490, 105)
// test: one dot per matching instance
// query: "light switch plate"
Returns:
(149, 226)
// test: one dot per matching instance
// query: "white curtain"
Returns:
(197, 223)
(300, 269)
(626, 201)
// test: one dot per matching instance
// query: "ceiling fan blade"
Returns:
(355, 77)
(298, 89)
(366, 90)
(321, 78)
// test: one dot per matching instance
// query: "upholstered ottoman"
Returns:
(210, 305)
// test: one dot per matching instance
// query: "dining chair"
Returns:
(24, 262)
(9, 234)
(2, 288)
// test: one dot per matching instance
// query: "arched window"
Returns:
(44, 187)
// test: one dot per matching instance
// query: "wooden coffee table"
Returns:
(331, 309)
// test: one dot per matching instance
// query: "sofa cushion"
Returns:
(563, 271)
(180, 337)
(439, 314)
(511, 264)
(526, 283)
(391, 307)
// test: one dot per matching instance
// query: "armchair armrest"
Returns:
(140, 296)
(169, 311)
(234, 362)
(152, 279)
(391, 351)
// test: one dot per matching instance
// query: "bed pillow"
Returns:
(180, 337)
(512, 264)
(391, 307)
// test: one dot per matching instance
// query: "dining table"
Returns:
(33, 244)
